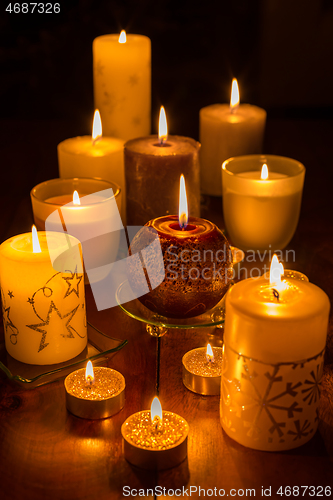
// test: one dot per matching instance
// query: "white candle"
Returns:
(262, 213)
(94, 156)
(95, 221)
(122, 84)
(227, 131)
(43, 310)
(275, 335)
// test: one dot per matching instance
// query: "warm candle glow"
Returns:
(35, 241)
(90, 377)
(122, 37)
(156, 411)
(76, 198)
(183, 207)
(209, 354)
(264, 172)
(97, 127)
(162, 127)
(275, 273)
(234, 99)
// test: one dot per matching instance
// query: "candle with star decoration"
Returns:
(122, 84)
(44, 311)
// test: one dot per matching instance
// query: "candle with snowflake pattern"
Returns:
(44, 311)
(122, 84)
(275, 335)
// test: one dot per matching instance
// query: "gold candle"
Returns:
(202, 370)
(153, 439)
(93, 394)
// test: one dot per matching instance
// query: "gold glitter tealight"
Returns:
(95, 393)
(202, 370)
(155, 440)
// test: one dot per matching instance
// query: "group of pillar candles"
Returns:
(275, 326)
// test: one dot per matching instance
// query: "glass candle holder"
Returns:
(95, 221)
(262, 214)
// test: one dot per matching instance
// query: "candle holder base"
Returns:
(157, 325)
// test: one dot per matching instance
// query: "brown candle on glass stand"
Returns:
(197, 264)
(153, 165)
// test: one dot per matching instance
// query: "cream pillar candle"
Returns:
(227, 131)
(262, 213)
(122, 84)
(43, 309)
(94, 156)
(275, 335)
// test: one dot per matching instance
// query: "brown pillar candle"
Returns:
(153, 166)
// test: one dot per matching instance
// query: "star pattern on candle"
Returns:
(10, 293)
(54, 322)
(73, 283)
(136, 121)
(111, 102)
(133, 80)
(99, 68)
(31, 301)
(9, 327)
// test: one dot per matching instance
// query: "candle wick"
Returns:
(97, 139)
(90, 381)
(276, 294)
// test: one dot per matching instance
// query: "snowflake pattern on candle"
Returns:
(277, 403)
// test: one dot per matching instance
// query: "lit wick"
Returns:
(162, 127)
(90, 378)
(209, 354)
(183, 207)
(276, 294)
(96, 134)
(156, 413)
(234, 99)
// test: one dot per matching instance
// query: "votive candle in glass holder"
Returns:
(92, 215)
(262, 197)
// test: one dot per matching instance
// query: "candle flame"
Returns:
(183, 208)
(162, 126)
(76, 198)
(209, 354)
(275, 273)
(97, 127)
(264, 172)
(234, 99)
(90, 377)
(122, 37)
(35, 241)
(156, 411)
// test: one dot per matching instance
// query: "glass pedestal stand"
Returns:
(157, 325)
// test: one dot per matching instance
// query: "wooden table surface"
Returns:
(47, 453)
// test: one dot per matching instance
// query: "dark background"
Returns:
(281, 52)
